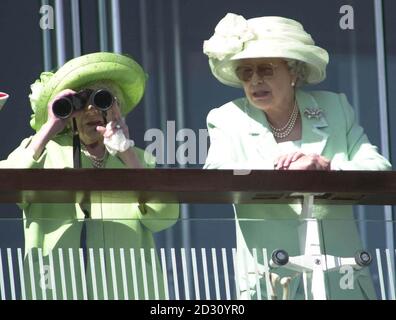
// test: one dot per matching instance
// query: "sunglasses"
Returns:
(245, 73)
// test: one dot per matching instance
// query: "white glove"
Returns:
(117, 142)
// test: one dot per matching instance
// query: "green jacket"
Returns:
(241, 139)
(121, 258)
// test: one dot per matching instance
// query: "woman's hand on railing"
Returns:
(301, 161)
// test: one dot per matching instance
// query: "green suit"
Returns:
(120, 261)
(241, 139)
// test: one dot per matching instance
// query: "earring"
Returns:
(293, 84)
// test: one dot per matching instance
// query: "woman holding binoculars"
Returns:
(96, 125)
(110, 243)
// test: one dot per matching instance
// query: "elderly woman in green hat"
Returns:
(279, 126)
(88, 98)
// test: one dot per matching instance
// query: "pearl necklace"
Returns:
(96, 162)
(283, 132)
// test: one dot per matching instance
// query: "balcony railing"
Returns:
(105, 272)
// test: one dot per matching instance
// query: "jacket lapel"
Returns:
(260, 135)
(314, 137)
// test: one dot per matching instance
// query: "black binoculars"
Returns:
(100, 99)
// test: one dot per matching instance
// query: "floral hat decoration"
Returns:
(236, 38)
(126, 73)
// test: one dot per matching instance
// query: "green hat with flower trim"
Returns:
(126, 73)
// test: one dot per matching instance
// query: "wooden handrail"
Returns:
(196, 186)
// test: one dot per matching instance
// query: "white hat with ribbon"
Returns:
(236, 38)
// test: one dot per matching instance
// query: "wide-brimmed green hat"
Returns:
(126, 73)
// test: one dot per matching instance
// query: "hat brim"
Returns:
(127, 74)
(314, 57)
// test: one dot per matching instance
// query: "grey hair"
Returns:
(299, 68)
